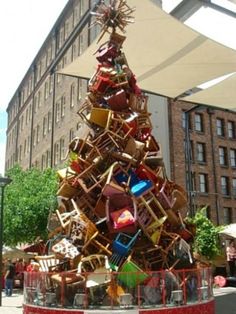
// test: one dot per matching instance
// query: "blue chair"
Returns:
(137, 186)
(121, 248)
(123, 243)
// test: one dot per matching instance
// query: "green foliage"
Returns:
(28, 200)
(206, 242)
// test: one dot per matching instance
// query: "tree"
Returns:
(28, 200)
(206, 242)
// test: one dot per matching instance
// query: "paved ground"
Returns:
(13, 304)
(224, 298)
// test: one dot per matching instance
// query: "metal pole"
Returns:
(1, 244)
(4, 181)
(188, 160)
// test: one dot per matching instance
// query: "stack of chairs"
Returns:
(115, 187)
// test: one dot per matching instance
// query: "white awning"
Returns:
(167, 57)
(229, 230)
(222, 94)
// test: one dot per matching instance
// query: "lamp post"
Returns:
(4, 181)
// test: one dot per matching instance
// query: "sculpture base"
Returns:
(207, 307)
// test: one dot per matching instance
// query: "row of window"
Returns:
(75, 97)
(227, 184)
(223, 128)
(227, 157)
(41, 66)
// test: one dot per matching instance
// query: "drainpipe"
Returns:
(210, 113)
(188, 161)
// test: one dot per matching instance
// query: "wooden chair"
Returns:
(65, 217)
(138, 103)
(96, 269)
(89, 179)
(150, 223)
(47, 262)
(111, 187)
(88, 233)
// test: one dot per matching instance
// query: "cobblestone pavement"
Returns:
(224, 300)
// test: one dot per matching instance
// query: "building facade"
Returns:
(42, 120)
(210, 165)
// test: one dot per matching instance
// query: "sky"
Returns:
(25, 24)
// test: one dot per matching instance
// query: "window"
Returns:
(56, 153)
(20, 153)
(49, 121)
(231, 129)
(81, 8)
(50, 84)
(37, 133)
(227, 212)
(72, 95)
(63, 106)
(39, 99)
(46, 90)
(34, 137)
(73, 51)
(80, 44)
(220, 127)
(27, 114)
(198, 120)
(44, 125)
(234, 187)
(224, 181)
(203, 184)
(28, 144)
(232, 154)
(71, 134)
(25, 147)
(48, 158)
(201, 152)
(223, 156)
(43, 164)
(62, 148)
(80, 88)
(58, 109)
(58, 75)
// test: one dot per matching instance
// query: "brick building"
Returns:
(42, 120)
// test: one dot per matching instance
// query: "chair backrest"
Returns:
(47, 262)
(124, 242)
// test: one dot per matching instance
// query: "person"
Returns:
(231, 257)
(30, 267)
(9, 278)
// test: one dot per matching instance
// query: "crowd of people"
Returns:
(13, 273)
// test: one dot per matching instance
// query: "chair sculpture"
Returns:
(116, 185)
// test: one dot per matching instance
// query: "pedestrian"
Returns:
(9, 278)
(231, 257)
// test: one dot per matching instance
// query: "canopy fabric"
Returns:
(229, 230)
(222, 94)
(13, 253)
(167, 57)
